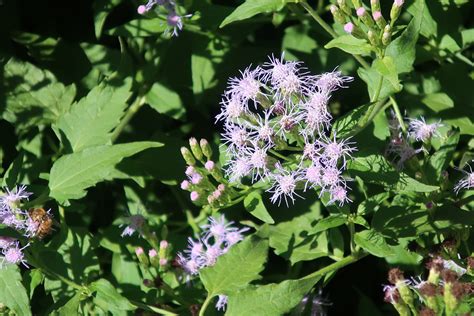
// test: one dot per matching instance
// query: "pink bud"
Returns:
(398, 3)
(141, 9)
(216, 194)
(139, 251)
(189, 170)
(194, 196)
(185, 185)
(152, 253)
(377, 15)
(210, 199)
(221, 187)
(163, 244)
(349, 27)
(209, 165)
(333, 8)
(360, 12)
(163, 262)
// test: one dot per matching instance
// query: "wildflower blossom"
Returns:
(467, 182)
(14, 254)
(174, 21)
(349, 27)
(221, 302)
(11, 198)
(135, 224)
(284, 185)
(247, 87)
(419, 130)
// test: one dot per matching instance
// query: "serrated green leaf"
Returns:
(165, 101)
(90, 120)
(372, 242)
(254, 205)
(109, 299)
(376, 169)
(345, 125)
(253, 7)
(72, 174)
(12, 292)
(237, 268)
(102, 8)
(33, 95)
(438, 101)
(350, 44)
(402, 49)
(270, 299)
(299, 239)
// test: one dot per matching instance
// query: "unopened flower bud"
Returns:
(356, 3)
(164, 244)
(163, 262)
(365, 17)
(373, 39)
(141, 9)
(338, 17)
(349, 27)
(387, 35)
(344, 7)
(190, 170)
(194, 196)
(375, 5)
(450, 300)
(148, 283)
(154, 258)
(435, 266)
(209, 165)
(211, 200)
(221, 187)
(395, 276)
(195, 148)
(188, 156)
(185, 185)
(429, 292)
(142, 256)
(206, 148)
(379, 19)
(396, 9)
(470, 265)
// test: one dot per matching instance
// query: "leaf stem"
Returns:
(398, 114)
(356, 256)
(279, 155)
(204, 305)
(328, 29)
(379, 88)
(132, 110)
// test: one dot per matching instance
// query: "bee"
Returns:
(43, 219)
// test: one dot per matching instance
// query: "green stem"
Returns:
(352, 233)
(398, 114)
(337, 265)
(132, 110)
(280, 155)
(150, 308)
(379, 88)
(205, 305)
(328, 29)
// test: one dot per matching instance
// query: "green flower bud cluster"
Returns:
(206, 183)
(446, 291)
(370, 26)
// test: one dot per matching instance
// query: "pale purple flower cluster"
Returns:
(421, 131)
(173, 19)
(217, 238)
(467, 182)
(135, 224)
(13, 216)
(277, 109)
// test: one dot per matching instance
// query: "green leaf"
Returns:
(12, 292)
(71, 307)
(33, 96)
(72, 174)
(140, 28)
(438, 101)
(203, 74)
(108, 299)
(440, 160)
(270, 299)
(300, 239)
(253, 7)
(237, 268)
(373, 242)
(345, 125)
(350, 44)
(329, 222)
(32, 278)
(102, 8)
(402, 49)
(372, 78)
(254, 205)
(165, 101)
(386, 67)
(90, 120)
(376, 169)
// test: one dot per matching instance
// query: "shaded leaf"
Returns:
(372, 242)
(254, 205)
(165, 101)
(12, 292)
(253, 7)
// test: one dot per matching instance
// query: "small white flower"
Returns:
(419, 130)
(467, 182)
(221, 302)
(283, 185)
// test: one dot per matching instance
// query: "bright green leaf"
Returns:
(254, 204)
(109, 299)
(140, 28)
(350, 44)
(253, 7)
(72, 174)
(237, 268)
(373, 242)
(165, 101)
(12, 292)
(386, 68)
(438, 101)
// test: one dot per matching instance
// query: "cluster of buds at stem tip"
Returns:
(442, 293)
(205, 181)
(158, 259)
(370, 26)
(174, 20)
